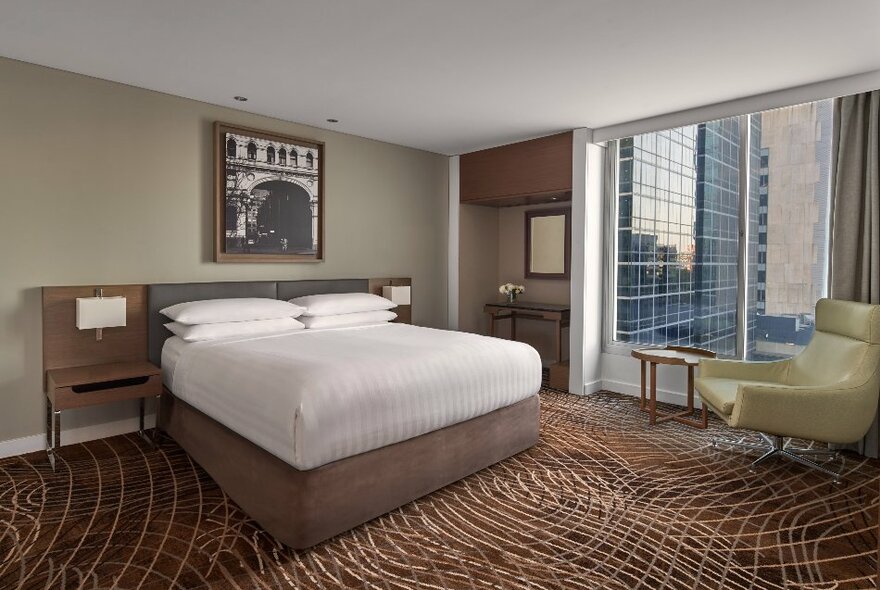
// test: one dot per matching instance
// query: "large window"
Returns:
(721, 233)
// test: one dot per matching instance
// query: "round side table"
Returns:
(672, 355)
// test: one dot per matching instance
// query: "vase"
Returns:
(511, 297)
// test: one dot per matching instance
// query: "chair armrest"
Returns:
(841, 413)
(776, 371)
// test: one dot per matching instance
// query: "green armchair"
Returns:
(828, 392)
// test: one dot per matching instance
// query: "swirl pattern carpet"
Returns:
(603, 501)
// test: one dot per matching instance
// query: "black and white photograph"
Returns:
(267, 196)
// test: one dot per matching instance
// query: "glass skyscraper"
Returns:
(678, 235)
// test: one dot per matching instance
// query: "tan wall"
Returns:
(511, 268)
(106, 183)
(478, 266)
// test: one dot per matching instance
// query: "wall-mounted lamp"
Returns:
(99, 312)
(399, 295)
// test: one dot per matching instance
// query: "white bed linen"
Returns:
(312, 397)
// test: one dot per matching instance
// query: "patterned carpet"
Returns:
(603, 501)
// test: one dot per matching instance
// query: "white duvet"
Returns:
(312, 397)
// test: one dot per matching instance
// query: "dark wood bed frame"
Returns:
(303, 508)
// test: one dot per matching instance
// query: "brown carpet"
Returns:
(603, 501)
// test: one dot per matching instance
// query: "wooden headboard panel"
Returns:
(141, 339)
(64, 345)
(404, 312)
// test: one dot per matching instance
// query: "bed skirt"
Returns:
(303, 508)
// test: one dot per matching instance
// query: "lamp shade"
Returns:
(100, 312)
(399, 295)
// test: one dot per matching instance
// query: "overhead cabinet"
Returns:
(534, 171)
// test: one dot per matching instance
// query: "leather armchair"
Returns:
(828, 392)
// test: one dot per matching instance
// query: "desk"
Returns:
(548, 312)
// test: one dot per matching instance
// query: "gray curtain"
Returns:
(855, 236)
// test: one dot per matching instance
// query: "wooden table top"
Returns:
(673, 355)
(104, 372)
(530, 306)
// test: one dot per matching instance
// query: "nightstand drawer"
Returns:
(102, 392)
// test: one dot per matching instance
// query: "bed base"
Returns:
(303, 508)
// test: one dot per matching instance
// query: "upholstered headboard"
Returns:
(162, 295)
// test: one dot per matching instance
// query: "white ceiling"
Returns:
(450, 76)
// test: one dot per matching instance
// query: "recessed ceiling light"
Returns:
(240, 98)
(333, 120)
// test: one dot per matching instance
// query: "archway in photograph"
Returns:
(284, 218)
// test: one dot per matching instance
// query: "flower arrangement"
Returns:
(511, 291)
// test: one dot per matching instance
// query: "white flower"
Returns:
(508, 288)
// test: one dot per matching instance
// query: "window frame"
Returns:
(610, 245)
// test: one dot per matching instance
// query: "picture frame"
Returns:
(548, 243)
(268, 196)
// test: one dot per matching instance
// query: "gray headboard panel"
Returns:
(162, 295)
(290, 289)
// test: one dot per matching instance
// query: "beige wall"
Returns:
(478, 266)
(492, 252)
(106, 183)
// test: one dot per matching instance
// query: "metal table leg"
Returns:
(154, 439)
(53, 432)
(157, 432)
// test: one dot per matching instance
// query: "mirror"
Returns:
(548, 243)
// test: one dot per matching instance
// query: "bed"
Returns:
(315, 432)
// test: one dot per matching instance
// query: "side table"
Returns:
(78, 387)
(672, 355)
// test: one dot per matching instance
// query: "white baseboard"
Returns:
(20, 446)
(663, 395)
(593, 386)
(69, 436)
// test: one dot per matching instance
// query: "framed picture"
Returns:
(268, 197)
(548, 243)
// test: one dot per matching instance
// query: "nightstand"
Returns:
(92, 385)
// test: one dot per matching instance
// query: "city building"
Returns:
(678, 233)
(793, 224)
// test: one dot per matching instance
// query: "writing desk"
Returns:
(560, 314)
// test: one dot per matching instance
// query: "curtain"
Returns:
(855, 235)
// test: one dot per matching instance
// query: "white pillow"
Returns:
(338, 303)
(243, 309)
(345, 320)
(199, 332)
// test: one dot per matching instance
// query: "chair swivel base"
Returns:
(775, 445)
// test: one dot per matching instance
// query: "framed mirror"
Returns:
(548, 243)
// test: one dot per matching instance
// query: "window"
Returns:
(310, 160)
(270, 155)
(252, 151)
(294, 158)
(282, 157)
(721, 233)
(231, 148)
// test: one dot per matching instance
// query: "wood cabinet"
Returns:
(534, 171)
